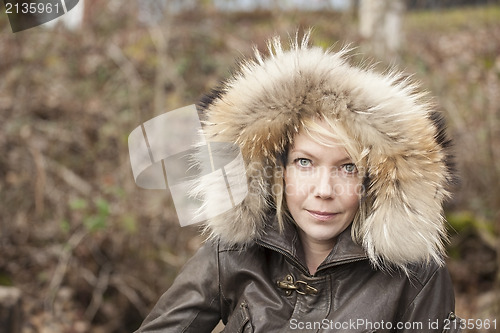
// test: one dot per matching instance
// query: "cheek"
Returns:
(352, 196)
(290, 186)
(296, 183)
(294, 191)
(352, 203)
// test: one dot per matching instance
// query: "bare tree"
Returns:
(380, 23)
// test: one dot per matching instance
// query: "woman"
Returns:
(342, 229)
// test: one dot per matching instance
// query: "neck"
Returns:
(315, 251)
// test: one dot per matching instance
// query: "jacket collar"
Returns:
(288, 243)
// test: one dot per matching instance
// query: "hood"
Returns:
(405, 160)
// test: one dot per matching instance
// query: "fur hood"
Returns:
(405, 159)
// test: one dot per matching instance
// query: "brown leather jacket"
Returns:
(267, 288)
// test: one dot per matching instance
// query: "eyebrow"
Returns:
(312, 156)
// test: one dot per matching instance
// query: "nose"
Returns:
(324, 184)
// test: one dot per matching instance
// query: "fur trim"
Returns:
(405, 149)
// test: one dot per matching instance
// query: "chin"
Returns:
(320, 234)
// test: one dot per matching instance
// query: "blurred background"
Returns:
(83, 249)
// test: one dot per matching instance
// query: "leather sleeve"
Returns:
(432, 309)
(192, 303)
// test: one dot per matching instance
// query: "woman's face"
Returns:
(322, 189)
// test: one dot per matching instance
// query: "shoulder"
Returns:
(235, 256)
(428, 284)
(223, 253)
(423, 274)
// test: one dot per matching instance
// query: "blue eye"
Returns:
(350, 168)
(303, 162)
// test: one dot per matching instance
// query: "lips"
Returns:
(322, 216)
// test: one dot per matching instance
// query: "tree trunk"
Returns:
(10, 310)
(380, 23)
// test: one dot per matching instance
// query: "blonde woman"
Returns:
(342, 229)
